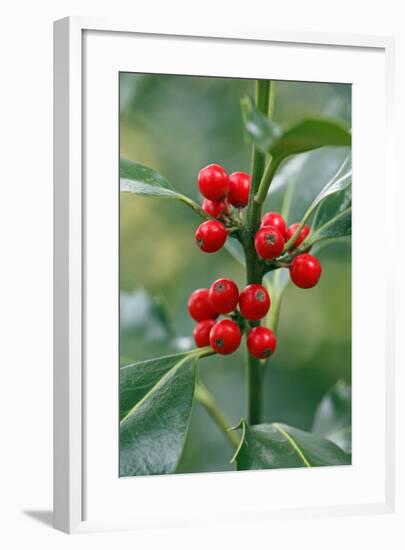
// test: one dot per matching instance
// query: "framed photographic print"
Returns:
(215, 310)
(262, 230)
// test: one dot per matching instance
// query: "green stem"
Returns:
(202, 352)
(275, 289)
(288, 195)
(208, 402)
(254, 270)
(273, 316)
(265, 182)
(290, 243)
(272, 99)
(196, 207)
(255, 372)
(276, 298)
(258, 157)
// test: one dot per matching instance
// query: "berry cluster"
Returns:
(222, 194)
(305, 270)
(224, 336)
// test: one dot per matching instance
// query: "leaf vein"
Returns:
(293, 444)
(155, 387)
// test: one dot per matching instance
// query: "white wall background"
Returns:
(26, 260)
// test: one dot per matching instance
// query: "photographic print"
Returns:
(235, 274)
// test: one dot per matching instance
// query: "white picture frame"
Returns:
(75, 441)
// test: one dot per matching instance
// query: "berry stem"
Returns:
(203, 352)
(272, 318)
(265, 182)
(196, 207)
(206, 399)
(290, 243)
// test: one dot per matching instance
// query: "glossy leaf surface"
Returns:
(333, 416)
(263, 131)
(335, 188)
(152, 433)
(133, 171)
(328, 204)
(141, 180)
(137, 379)
(336, 227)
(269, 446)
(306, 135)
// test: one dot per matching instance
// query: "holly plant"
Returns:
(156, 395)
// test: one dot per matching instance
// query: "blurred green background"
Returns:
(177, 125)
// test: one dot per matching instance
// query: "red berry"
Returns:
(199, 305)
(211, 236)
(213, 182)
(239, 191)
(303, 234)
(305, 270)
(261, 342)
(276, 220)
(224, 295)
(269, 243)
(214, 208)
(202, 331)
(254, 302)
(225, 337)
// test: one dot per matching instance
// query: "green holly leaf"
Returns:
(306, 135)
(153, 430)
(263, 131)
(332, 206)
(325, 206)
(337, 227)
(310, 134)
(137, 379)
(124, 361)
(300, 178)
(141, 180)
(333, 417)
(270, 446)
